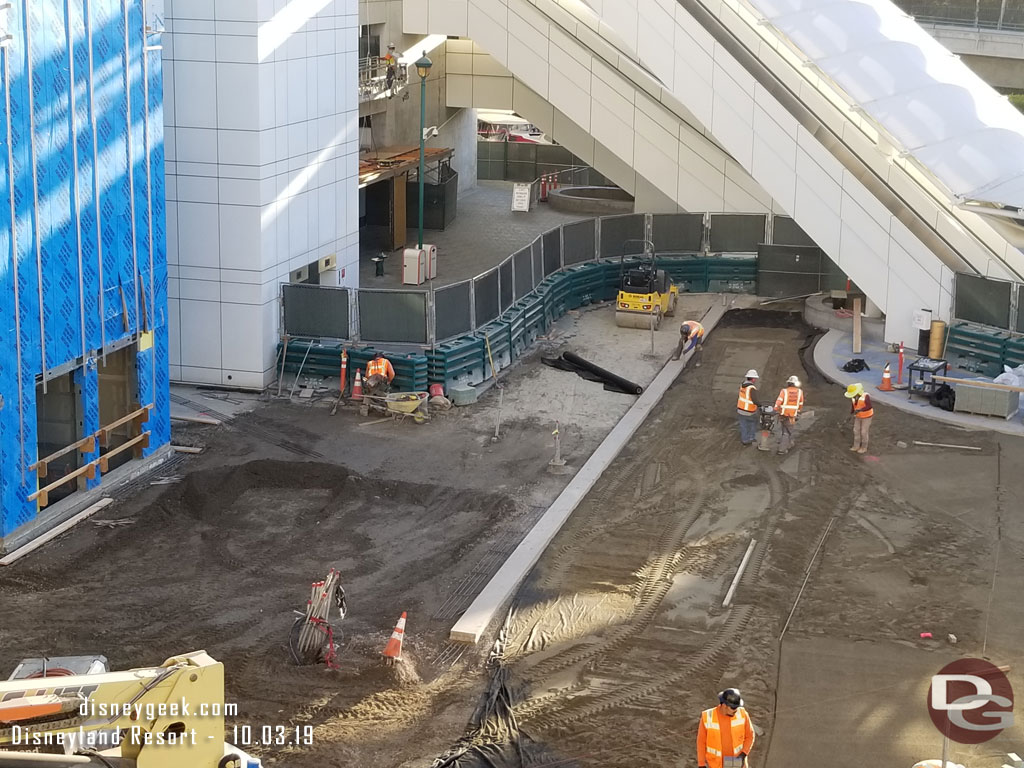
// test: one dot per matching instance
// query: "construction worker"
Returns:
(379, 375)
(747, 408)
(391, 72)
(861, 410)
(691, 336)
(788, 405)
(725, 734)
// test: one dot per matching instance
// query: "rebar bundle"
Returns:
(315, 638)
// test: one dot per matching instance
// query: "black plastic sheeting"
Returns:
(587, 370)
(494, 739)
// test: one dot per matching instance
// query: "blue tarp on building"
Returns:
(83, 264)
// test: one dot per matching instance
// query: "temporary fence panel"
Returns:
(315, 311)
(523, 268)
(677, 232)
(1020, 309)
(982, 300)
(788, 270)
(737, 232)
(505, 284)
(521, 164)
(490, 160)
(617, 231)
(785, 231)
(485, 293)
(537, 254)
(579, 241)
(552, 250)
(452, 310)
(393, 316)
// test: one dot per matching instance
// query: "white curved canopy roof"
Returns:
(970, 137)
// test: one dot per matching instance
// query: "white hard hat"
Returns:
(793, 380)
(752, 374)
(391, 45)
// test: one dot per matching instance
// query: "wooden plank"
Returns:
(54, 532)
(140, 440)
(137, 416)
(186, 449)
(197, 419)
(42, 495)
(87, 445)
(985, 384)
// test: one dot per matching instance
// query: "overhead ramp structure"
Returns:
(898, 161)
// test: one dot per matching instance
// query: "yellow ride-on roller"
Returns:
(646, 293)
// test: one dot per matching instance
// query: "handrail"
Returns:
(43, 494)
(87, 444)
(104, 432)
(142, 439)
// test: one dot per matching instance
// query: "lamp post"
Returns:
(422, 69)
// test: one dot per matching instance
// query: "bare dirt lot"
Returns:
(619, 637)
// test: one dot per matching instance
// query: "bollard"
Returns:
(557, 465)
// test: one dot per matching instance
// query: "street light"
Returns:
(423, 65)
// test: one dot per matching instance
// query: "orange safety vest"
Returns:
(696, 329)
(790, 401)
(379, 367)
(739, 725)
(861, 409)
(745, 403)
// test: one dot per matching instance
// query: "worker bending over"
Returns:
(747, 407)
(861, 410)
(691, 336)
(379, 375)
(725, 734)
(788, 405)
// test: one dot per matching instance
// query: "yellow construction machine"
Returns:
(72, 712)
(646, 293)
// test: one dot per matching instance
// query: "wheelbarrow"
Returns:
(403, 404)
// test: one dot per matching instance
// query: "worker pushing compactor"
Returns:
(725, 734)
(788, 406)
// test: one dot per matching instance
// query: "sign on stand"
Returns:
(521, 197)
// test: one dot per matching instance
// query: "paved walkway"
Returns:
(485, 232)
(835, 349)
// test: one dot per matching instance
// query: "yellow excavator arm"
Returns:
(171, 716)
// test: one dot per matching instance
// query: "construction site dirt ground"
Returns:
(618, 638)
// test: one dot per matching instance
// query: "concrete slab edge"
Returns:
(482, 611)
(823, 361)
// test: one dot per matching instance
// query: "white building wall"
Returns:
(262, 172)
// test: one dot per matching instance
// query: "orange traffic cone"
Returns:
(357, 386)
(393, 650)
(886, 385)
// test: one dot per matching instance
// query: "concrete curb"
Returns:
(823, 361)
(499, 589)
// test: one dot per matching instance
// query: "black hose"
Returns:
(616, 381)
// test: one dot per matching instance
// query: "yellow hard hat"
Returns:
(854, 390)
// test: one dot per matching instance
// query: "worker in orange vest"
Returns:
(725, 734)
(747, 407)
(379, 375)
(861, 410)
(691, 336)
(788, 405)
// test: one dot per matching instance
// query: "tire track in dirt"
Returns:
(654, 583)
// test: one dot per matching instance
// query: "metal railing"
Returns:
(414, 318)
(1001, 15)
(374, 82)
